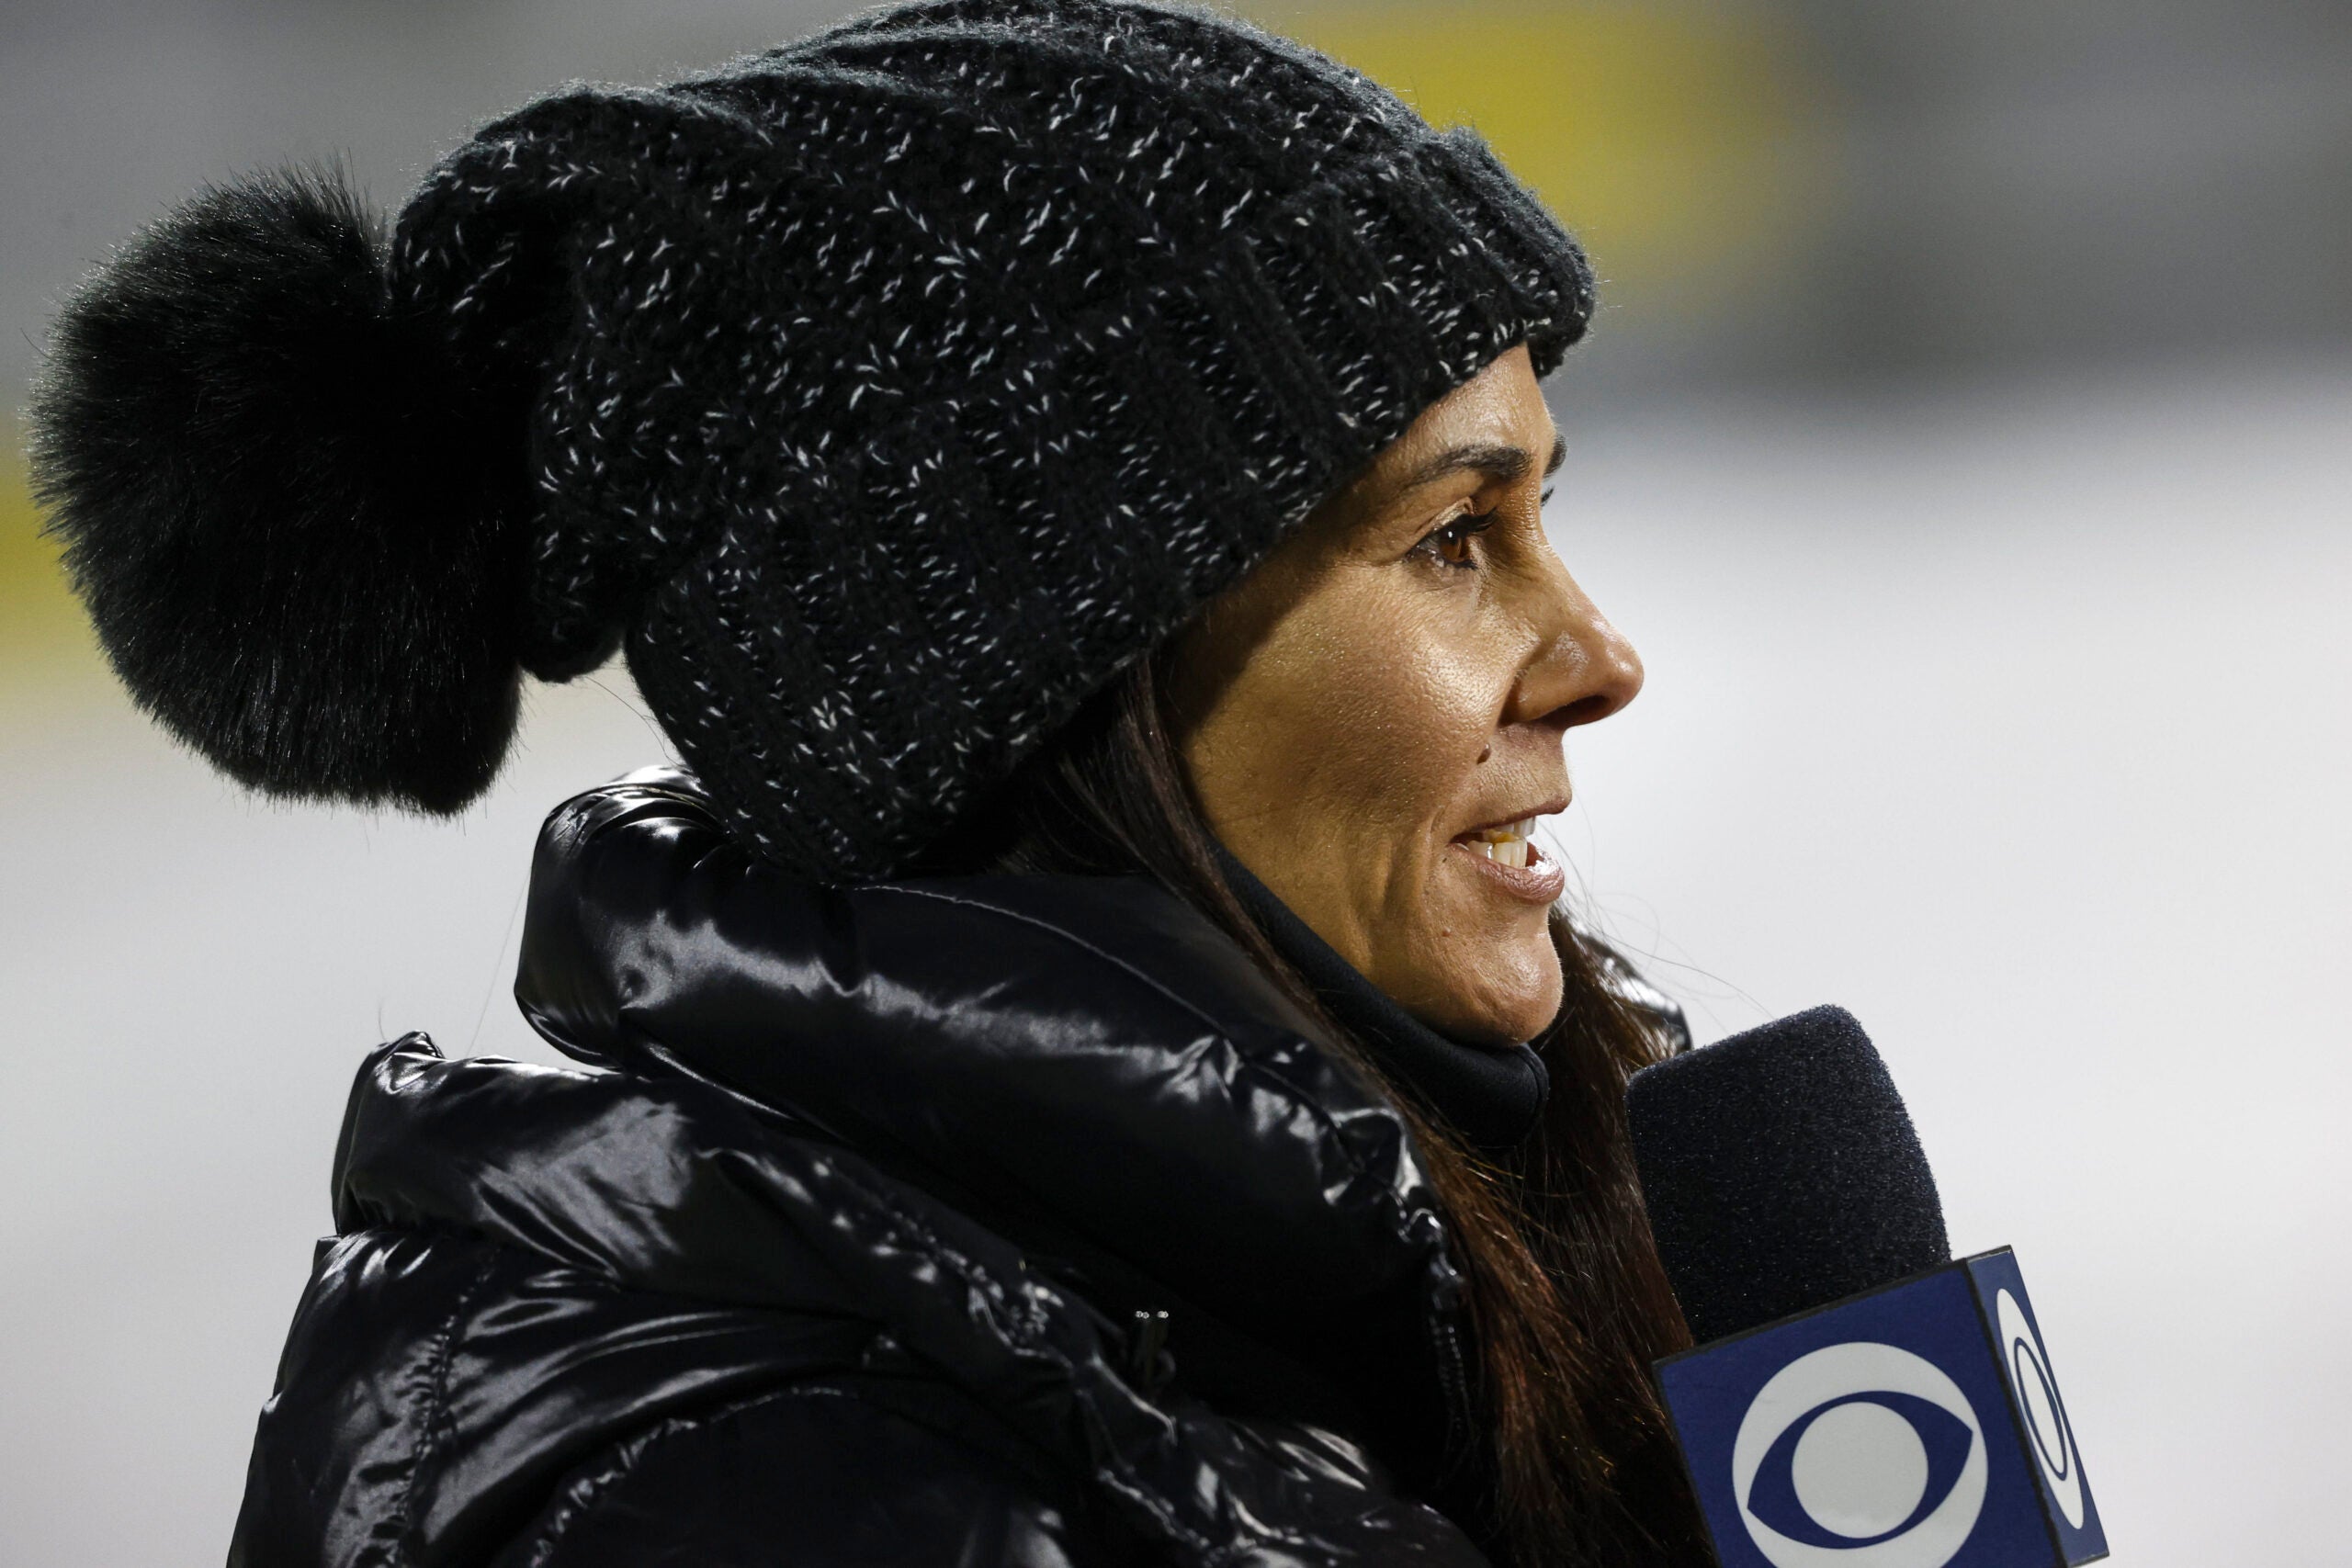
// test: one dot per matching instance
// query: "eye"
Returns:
(1450, 544)
(1859, 1469)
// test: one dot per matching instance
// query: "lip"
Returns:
(1551, 808)
(1540, 884)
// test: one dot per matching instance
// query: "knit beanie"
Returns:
(881, 395)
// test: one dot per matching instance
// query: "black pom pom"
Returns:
(287, 524)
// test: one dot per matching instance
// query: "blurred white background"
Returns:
(1965, 450)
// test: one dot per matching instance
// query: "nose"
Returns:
(1582, 669)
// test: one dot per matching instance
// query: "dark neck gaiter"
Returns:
(1490, 1095)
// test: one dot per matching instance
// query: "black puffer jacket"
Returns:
(833, 1252)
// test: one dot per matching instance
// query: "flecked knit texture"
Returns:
(883, 395)
(936, 365)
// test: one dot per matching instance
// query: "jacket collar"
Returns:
(1084, 1064)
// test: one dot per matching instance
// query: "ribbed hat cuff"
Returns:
(1342, 352)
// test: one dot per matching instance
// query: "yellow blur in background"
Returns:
(42, 633)
(1679, 142)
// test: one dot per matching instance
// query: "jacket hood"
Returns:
(1085, 1063)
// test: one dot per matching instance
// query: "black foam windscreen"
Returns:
(1781, 1173)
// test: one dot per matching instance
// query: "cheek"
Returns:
(1333, 751)
(1337, 765)
(1380, 726)
(1437, 939)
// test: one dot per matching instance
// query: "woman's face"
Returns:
(1385, 694)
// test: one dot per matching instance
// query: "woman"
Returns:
(1087, 1067)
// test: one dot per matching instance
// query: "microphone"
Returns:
(1858, 1399)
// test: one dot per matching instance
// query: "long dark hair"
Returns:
(1567, 1300)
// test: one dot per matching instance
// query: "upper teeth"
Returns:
(1507, 844)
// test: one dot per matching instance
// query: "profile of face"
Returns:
(1374, 717)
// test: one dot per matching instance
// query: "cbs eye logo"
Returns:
(2046, 1413)
(1859, 1456)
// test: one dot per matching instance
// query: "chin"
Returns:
(1501, 1004)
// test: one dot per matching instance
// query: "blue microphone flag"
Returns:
(1915, 1426)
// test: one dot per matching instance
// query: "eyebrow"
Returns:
(1500, 463)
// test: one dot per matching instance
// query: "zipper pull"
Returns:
(1148, 1362)
(1446, 1310)
(1454, 1381)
